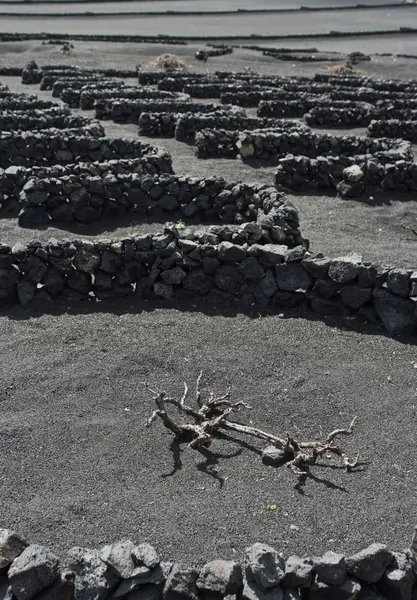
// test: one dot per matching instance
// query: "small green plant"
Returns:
(180, 225)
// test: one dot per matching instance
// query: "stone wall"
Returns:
(58, 116)
(53, 118)
(67, 198)
(221, 264)
(24, 102)
(90, 94)
(188, 125)
(28, 148)
(130, 111)
(14, 178)
(129, 570)
(326, 172)
(60, 85)
(394, 128)
(271, 145)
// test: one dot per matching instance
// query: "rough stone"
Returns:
(354, 296)
(252, 591)
(298, 572)
(396, 313)
(369, 564)
(331, 568)
(118, 557)
(398, 282)
(345, 269)
(273, 456)
(26, 291)
(251, 269)
(397, 584)
(231, 252)
(93, 581)
(220, 577)
(228, 279)
(292, 277)
(145, 555)
(33, 571)
(181, 584)
(353, 174)
(198, 282)
(11, 546)
(317, 265)
(173, 276)
(264, 566)
(87, 260)
(349, 590)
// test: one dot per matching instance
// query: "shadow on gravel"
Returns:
(123, 306)
(209, 466)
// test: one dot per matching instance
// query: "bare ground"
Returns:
(79, 468)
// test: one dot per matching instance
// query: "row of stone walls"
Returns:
(127, 570)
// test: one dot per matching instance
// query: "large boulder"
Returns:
(33, 571)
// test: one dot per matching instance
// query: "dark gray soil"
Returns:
(80, 468)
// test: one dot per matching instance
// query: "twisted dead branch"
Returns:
(214, 414)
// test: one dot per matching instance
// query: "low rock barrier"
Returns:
(60, 85)
(221, 264)
(87, 199)
(121, 569)
(271, 145)
(14, 178)
(130, 111)
(35, 120)
(326, 172)
(28, 148)
(10, 101)
(394, 128)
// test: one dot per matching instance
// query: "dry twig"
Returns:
(214, 414)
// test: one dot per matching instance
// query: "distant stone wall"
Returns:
(326, 172)
(39, 120)
(129, 111)
(89, 95)
(128, 570)
(12, 101)
(394, 128)
(188, 125)
(271, 145)
(28, 148)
